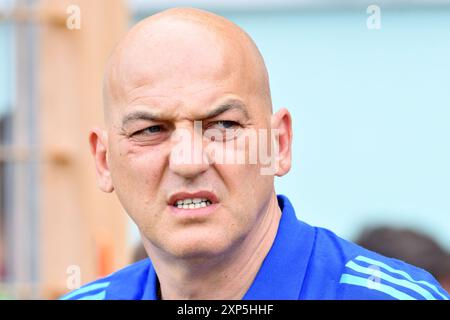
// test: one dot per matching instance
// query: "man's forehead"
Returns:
(176, 51)
(173, 56)
(176, 62)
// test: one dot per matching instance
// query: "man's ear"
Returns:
(282, 122)
(98, 140)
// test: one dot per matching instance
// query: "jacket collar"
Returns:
(283, 271)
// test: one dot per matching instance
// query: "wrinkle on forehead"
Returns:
(175, 46)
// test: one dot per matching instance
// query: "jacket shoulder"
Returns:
(358, 273)
(128, 281)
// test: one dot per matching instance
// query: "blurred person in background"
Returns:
(410, 246)
(216, 230)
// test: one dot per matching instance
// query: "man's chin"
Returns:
(196, 250)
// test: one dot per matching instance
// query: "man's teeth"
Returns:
(192, 203)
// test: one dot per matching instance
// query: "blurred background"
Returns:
(367, 83)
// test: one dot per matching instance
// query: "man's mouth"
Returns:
(194, 203)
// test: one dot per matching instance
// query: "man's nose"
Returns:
(188, 158)
(188, 171)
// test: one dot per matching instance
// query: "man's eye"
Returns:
(149, 131)
(225, 124)
(223, 130)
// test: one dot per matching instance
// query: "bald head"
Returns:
(188, 109)
(178, 46)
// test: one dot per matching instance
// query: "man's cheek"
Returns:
(147, 164)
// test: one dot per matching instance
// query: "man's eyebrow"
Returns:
(224, 107)
(221, 108)
(140, 115)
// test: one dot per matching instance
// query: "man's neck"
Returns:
(229, 276)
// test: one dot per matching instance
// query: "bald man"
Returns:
(191, 148)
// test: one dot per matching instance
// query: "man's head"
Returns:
(172, 69)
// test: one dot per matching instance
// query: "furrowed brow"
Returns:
(220, 109)
(224, 107)
(139, 115)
